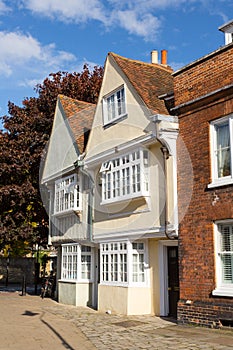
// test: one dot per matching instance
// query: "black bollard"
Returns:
(24, 285)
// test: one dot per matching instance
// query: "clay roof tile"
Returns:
(150, 80)
(80, 116)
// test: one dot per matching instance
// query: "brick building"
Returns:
(203, 92)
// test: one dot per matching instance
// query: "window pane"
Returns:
(115, 105)
(86, 266)
(70, 262)
(227, 268)
(138, 266)
(111, 107)
(226, 253)
(66, 192)
(128, 175)
(223, 150)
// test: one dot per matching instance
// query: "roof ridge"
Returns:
(79, 115)
(155, 65)
(62, 97)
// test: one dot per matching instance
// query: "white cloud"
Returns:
(3, 7)
(135, 19)
(19, 50)
(68, 10)
(146, 25)
(138, 17)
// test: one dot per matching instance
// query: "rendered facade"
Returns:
(132, 208)
(69, 200)
(114, 205)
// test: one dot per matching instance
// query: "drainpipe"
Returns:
(50, 213)
(169, 234)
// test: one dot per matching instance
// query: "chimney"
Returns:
(164, 57)
(154, 56)
(227, 29)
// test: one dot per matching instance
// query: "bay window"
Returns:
(67, 194)
(76, 262)
(125, 177)
(123, 263)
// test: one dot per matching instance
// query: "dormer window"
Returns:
(114, 106)
(67, 195)
(125, 177)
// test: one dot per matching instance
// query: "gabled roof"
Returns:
(150, 80)
(80, 116)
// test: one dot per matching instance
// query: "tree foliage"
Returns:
(26, 132)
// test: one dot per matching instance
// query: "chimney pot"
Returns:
(164, 57)
(154, 56)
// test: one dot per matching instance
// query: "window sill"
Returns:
(115, 121)
(219, 183)
(125, 284)
(68, 212)
(128, 198)
(75, 281)
(223, 291)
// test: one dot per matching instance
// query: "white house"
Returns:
(113, 202)
(69, 202)
(131, 158)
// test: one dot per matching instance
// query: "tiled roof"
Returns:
(150, 80)
(80, 116)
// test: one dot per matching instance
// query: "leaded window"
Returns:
(67, 194)
(125, 177)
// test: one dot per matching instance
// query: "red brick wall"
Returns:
(196, 234)
(212, 315)
(197, 272)
(204, 77)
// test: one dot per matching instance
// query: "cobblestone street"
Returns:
(30, 323)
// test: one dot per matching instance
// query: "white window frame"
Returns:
(223, 288)
(67, 196)
(216, 179)
(117, 266)
(114, 105)
(86, 263)
(125, 177)
(73, 263)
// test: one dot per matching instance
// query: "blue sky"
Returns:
(38, 37)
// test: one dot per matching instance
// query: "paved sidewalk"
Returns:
(30, 323)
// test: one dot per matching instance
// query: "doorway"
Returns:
(173, 280)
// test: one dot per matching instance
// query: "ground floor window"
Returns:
(138, 262)
(77, 262)
(224, 258)
(123, 263)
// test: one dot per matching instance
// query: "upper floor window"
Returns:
(114, 105)
(125, 177)
(67, 196)
(224, 259)
(222, 150)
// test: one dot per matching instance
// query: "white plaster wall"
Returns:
(77, 294)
